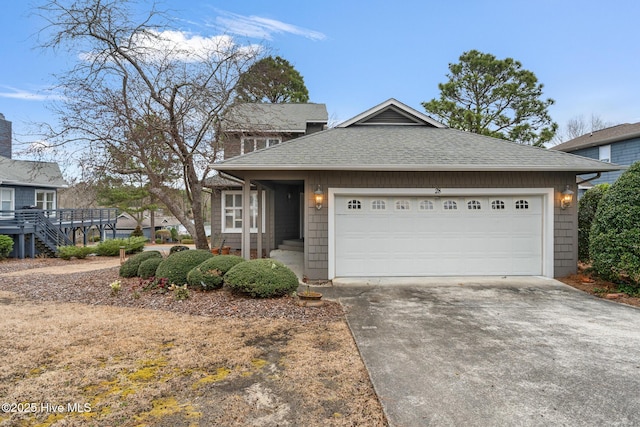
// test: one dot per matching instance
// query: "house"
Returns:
(29, 198)
(126, 224)
(392, 192)
(617, 144)
(248, 128)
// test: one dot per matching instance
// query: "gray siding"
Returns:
(24, 196)
(624, 153)
(316, 221)
(565, 221)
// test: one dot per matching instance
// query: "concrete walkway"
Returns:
(495, 352)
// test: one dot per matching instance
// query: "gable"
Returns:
(392, 112)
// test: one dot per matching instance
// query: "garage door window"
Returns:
(522, 204)
(497, 205)
(450, 205)
(474, 205)
(426, 205)
(354, 204)
(378, 205)
(403, 205)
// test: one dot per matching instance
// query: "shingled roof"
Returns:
(601, 137)
(253, 117)
(368, 145)
(30, 173)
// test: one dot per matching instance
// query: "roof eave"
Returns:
(265, 131)
(418, 168)
(598, 143)
(34, 184)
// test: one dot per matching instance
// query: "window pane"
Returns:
(228, 200)
(238, 201)
(248, 145)
(261, 143)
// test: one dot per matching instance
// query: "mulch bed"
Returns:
(93, 288)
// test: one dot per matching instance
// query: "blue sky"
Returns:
(356, 54)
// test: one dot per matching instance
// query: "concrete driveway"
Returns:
(496, 352)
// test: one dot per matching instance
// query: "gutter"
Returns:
(598, 175)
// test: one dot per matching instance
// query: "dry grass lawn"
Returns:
(80, 364)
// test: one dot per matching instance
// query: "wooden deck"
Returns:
(37, 231)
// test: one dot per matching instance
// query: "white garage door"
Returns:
(438, 236)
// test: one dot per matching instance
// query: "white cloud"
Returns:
(264, 28)
(184, 46)
(15, 93)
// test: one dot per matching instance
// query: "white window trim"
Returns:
(223, 212)
(41, 190)
(11, 191)
(268, 142)
(604, 153)
(547, 212)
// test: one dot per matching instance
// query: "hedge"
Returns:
(615, 234)
(176, 266)
(6, 246)
(111, 247)
(587, 207)
(261, 278)
(130, 267)
(209, 274)
(148, 267)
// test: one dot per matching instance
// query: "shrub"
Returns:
(174, 234)
(587, 207)
(261, 278)
(615, 233)
(111, 247)
(176, 266)
(137, 232)
(209, 274)
(130, 267)
(178, 248)
(187, 241)
(163, 235)
(148, 267)
(70, 251)
(6, 246)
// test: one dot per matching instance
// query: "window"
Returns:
(604, 153)
(403, 205)
(6, 202)
(497, 205)
(450, 205)
(354, 204)
(522, 204)
(426, 205)
(378, 205)
(232, 211)
(474, 205)
(46, 199)
(252, 144)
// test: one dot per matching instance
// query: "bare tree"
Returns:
(578, 126)
(140, 100)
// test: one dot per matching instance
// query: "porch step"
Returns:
(292, 245)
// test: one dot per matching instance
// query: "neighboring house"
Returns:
(393, 192)
(248, 128)
(28, 205)
(618, 144)
(126, 224)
